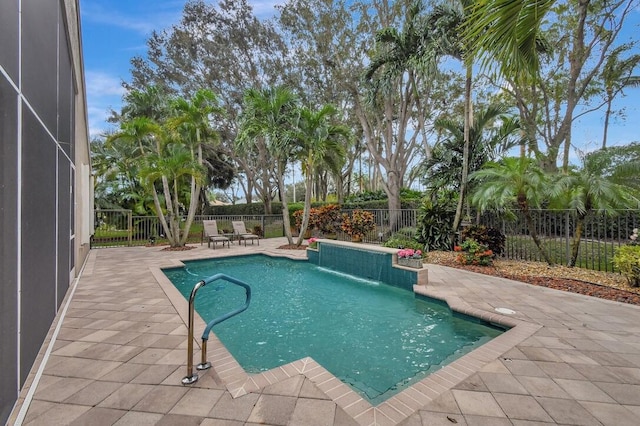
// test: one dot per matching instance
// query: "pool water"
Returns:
(377, 338)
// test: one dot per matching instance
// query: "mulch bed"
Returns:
(183, 248)
(293, 247)
(565, 284)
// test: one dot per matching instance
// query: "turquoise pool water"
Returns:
(375, 337)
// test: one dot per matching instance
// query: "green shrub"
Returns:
(471, 252)
(435, 221)
(627, 260)
(493, 238)
(399, 241)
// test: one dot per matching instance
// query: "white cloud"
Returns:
(264, 9)
(103, 84)
(142, 16)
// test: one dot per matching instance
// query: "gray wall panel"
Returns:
(8, 250)
(40, 57)
(65, 93)
(9, 19)
(39, 246)
(64, 225)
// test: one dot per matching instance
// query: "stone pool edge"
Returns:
(390, 412)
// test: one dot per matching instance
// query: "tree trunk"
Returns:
(465, 151)
(392, 188)
(307, 208)
(606, 120)
(285, 208)
(575, 244)
(195, 194)
(536, 239)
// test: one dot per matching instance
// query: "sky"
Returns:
(116, 30)
(113, 32)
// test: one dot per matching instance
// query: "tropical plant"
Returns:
(169, 151)
(512, 183)
(493, 238)
(508, 31)
(318, 147)
(471, 252)
(587, 190)
(267, 120)
(447, 20)
(627, 260)
(323, 219)
(435, 218)
(487, 143)
(549, 94)
(403, 241)
(358, 224)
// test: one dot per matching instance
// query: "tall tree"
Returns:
(492, 133)
(579, 36)
(267, 116)
(224, 47)
(399, 85)
(320, 146)
(326, 57)
(509, 32)
(169, 152)
(192, 124)
(616, 75)
(448, 20)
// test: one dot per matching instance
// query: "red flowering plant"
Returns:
(471, 252)
(313, 242)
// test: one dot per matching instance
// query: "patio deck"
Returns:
(118, 345)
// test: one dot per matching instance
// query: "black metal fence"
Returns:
(601, 233)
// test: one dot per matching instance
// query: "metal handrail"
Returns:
(192, 377)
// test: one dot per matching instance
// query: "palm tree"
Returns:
(174, 166)
(616, 76)
(487, 143)
(192, 124)
(512, 183)
(399, 64)
(608, 180)
(267, 118)
(507, 31)
(588, 190)
(447, 21)
(319, 147)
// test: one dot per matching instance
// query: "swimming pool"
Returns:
(375, 337)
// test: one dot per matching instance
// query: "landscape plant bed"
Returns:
(605, 285)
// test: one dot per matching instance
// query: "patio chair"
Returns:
(241, 233)
(212, 235)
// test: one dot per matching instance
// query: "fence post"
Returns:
(130, 227)
(567, 236)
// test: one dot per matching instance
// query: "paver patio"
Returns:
(119, 353)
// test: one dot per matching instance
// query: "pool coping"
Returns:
(389, 412)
